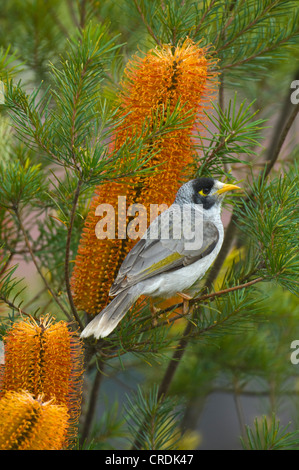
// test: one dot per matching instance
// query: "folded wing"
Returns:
(164, 253)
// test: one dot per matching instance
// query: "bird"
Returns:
(168, 260)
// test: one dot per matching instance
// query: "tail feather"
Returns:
(110, 316)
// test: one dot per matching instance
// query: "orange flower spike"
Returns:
(30, 424)
(97, 260)
(165, 77)
(45, 358)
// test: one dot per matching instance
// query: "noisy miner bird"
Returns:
(176, 250)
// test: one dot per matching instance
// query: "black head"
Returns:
(204, 192)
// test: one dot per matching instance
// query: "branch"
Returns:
(67, 255)
(5, 266)
(72, 12)
(222, 143)
(13, 306)
(27, 242)
(239, 408)
(59, 23)
(204, 16)
(181, 347)
(226, 291)
(278, 144)
(83, 14)
(272, 156)
(33, 299)
(258, 54)
(212, 295)
(250, 25)
(227, 242)
(284, 114)
(92, 405)
(222, 35)
(149, 29)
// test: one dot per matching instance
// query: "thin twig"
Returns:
(250, 25)
(232, 9)
(13, 306)
(273, 158)
(258, 54)
(253, 393)
(226, 166)
(195, 300)
(67, 255)
(45, 307)
(212, 295)
(27, 242)
(70, 4)
(148, 27)
(183, 342)
(226, 245)
(170, 371)
(181, 347)
(204, 17)
(76, 195)
(286, 109)
(83, 14)
(215, 150)
(6, 264)
(37, 295)
(92, 405)
(226, 291)
(174, 362)
(59, 23)
(239, 407)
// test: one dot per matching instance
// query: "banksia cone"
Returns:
(31, 424)
(166, 77)
(45, 358)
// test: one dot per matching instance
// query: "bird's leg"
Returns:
(154, 310)
(186, 299)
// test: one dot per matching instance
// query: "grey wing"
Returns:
(151, 256)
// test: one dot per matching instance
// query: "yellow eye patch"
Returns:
(203, 192)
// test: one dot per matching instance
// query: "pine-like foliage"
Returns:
(269, 435)
(155, 419)
(106, 99)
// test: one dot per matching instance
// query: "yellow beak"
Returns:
(227, 187)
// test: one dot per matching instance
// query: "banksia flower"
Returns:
(165, 78)
(45, 358)
(31, 424)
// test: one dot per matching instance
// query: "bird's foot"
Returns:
(155, 313)
(186, 299)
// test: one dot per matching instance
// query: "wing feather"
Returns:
(164, 253)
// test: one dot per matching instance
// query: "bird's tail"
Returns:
(110, 316)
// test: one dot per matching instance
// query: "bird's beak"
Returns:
(227, 187)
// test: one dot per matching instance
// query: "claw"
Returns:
(154, 311)
(186, 299)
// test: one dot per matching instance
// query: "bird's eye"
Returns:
(204, 191)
